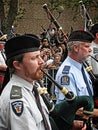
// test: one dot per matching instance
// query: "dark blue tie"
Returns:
(40, 107)
(86, 82)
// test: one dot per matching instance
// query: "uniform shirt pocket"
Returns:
(81, 89)
(37, 116)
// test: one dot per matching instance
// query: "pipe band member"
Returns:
(69, 73)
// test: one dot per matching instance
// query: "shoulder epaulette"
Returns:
(66, 70)
(16, 92)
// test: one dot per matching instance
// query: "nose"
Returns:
(90, 49)
(41, 61)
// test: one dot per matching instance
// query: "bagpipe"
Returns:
(87, 19)
(94, 80)
(61, 37)
(63, 114)
(87, 27)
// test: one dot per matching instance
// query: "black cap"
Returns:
(94, 29)
(21, 44)
(80, 35)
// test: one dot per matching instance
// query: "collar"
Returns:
(22, 82)
(75, 63)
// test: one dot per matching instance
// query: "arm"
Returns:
(22, 117)
(66, 81)
(3, 67)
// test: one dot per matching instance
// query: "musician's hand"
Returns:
(95, 112)
(84, 127)
(79, 112)
(79, 125)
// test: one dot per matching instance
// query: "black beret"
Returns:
(94, 29)
(21, 44)
(80, 35)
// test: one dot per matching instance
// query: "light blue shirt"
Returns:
(70, 76)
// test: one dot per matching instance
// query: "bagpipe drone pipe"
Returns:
(63, 114)
(87, 19)
(61, 37)
(88, 26)
(94, 80)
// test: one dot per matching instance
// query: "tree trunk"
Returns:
(9, 19)
(2, 15)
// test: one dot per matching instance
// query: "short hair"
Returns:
(71, 43)
(10, 61)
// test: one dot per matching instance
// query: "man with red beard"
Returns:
(18, 104)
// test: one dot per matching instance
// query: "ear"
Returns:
(17, 65)
(97, 35)
(76, 48)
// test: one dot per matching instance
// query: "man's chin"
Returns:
(39, 77)
(85, 58)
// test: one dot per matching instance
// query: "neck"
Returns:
(96, 41)
(74, 57)
(24, 77)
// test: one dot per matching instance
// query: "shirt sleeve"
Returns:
(23, 118)
(67, 81)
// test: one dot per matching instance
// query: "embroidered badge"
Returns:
(96, 56)
(66, 70)
(95, 50)
(65, 80)
(16, 92)
(17, 107)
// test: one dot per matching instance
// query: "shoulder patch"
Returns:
(66, 69)
(17, 107)
(95, 50)
(16, 92)
(65, 80)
